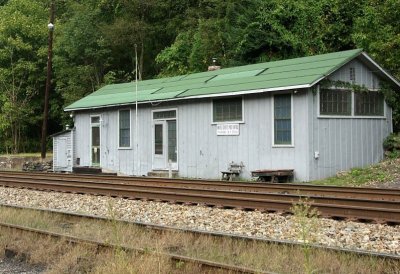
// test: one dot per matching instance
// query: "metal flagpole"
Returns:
(136, 116)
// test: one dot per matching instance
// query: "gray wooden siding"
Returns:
(364, 76)
(82, 138)
(201, 153)
(345, 143)
(57, 150)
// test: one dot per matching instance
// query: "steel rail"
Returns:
(387, 215)
(325, 191)
(174, 257)
(293, 198)
(210, 233)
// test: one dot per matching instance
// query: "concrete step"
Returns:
(162, 173)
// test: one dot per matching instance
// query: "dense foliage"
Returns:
(95, 45)
(392, 145)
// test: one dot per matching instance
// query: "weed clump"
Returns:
(306, 219)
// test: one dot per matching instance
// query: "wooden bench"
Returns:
(273, 175)
(233, 171)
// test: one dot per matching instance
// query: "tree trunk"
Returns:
(15, 138)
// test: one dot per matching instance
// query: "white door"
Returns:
(165, 145)
(159, 153)
(95, 140)
(62, 153)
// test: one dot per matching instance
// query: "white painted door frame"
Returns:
(161, 161)
(94, 125)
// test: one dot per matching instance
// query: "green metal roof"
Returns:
(277, 75)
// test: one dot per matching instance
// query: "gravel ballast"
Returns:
(345, 234)
(10, 266)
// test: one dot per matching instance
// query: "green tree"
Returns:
(211, 29)
(23, 36)
(242, 32)
(378, 32)
(151, 25)
(81, 58)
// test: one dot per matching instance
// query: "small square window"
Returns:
(228, 110)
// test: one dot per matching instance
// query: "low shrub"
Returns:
(392, 145)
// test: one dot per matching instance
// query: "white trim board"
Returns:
(381, 68)
(163, 121)
(226, 94)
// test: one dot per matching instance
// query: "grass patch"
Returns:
(385, 172)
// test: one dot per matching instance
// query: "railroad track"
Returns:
(306, 189)
(335, 202)
(205, 264)
(163, 228)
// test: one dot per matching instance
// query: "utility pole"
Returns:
(48, 81)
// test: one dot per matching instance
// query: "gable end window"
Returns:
(335, 102)
(228, 110)
(352, 74)
(124, 128)
(368, 104)
(283, 119)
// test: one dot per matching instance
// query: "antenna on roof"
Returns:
(136, 152)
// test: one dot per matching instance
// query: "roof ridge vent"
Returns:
(214, 65)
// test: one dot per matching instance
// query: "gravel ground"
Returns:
(373, 237)
(10, 266)
(393, 184)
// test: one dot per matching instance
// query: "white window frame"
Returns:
(226, 122)
(291, 145)
(90, 137)
(130, 129)
(352, 115)
(177, 134)
(162, 110)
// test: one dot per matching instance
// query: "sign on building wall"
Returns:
(228, 129)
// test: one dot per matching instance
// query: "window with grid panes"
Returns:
(227, 109)
(335, 102)
(368, 104)
(168, 114)
(283, 119)
(124, 128)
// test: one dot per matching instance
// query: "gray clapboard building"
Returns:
(292, 114)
